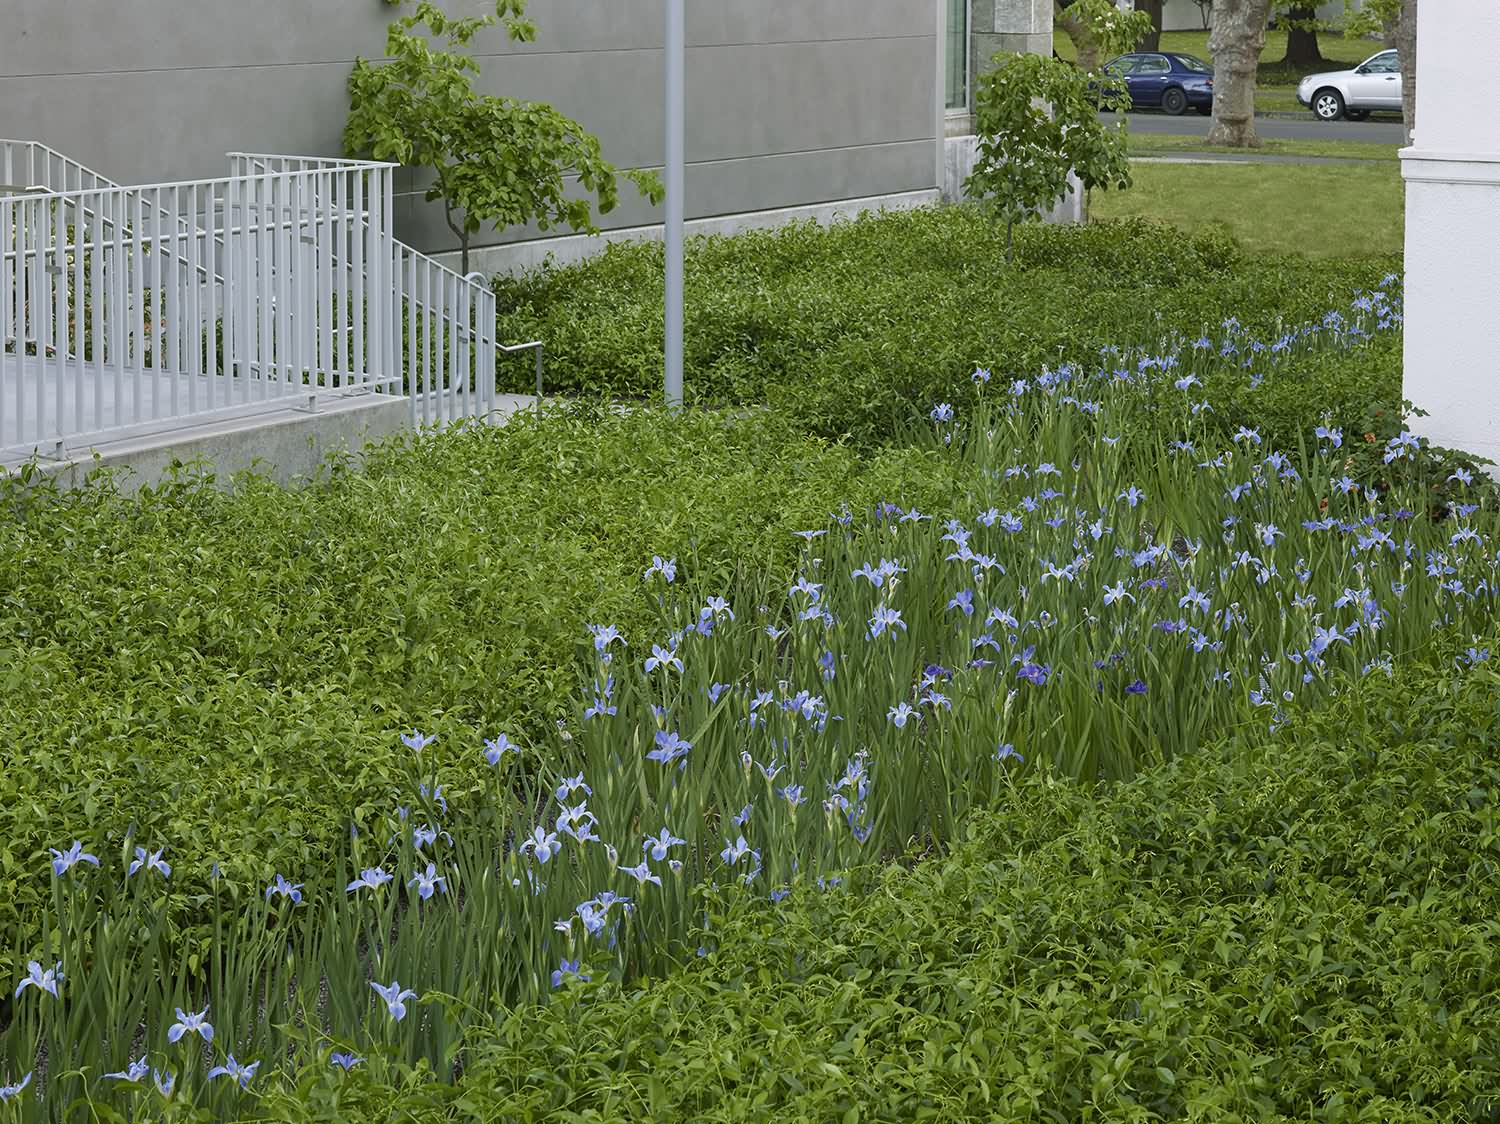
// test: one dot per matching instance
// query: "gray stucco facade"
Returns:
(790, 103)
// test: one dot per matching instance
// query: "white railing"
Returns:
(27, 165)
(125, 310)
(450, 341)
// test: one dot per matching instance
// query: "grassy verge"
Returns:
(1333, 212)
(1167, 144)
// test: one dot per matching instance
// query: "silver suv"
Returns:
(1373, 84)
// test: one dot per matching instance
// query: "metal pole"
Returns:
(675, 43)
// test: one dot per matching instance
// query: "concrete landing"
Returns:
(282, 442)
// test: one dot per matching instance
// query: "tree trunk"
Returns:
(1238, 35)
(1152, 40)
(1302, 49)
(1078, 31)
(1406, 43)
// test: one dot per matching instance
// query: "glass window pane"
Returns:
(958, 54)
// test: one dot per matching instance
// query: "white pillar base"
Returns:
(1452, 297)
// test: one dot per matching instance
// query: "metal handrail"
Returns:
(511, 349)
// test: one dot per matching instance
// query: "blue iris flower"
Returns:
(9, 1091)
(641, 873)
(191, 1024)
(734, 852)
(134, 1072)
(670, 746)
(233, 1069)
(571, 785)
(885, 619)
(371, 878)
(659, 844)
(39, 979)
(666, 567)
(495, 750)
(64, 861)
(416, 741)
(395, 997)
(663, 658)
(543, 844)
(428, 882)
(345, 1061)
(578, 822)
(1037, 673)
(150, 862)
(568, 970)
(285, 889)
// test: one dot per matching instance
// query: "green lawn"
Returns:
(1153, 144)
(1320, 211)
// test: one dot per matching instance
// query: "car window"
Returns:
(1152, 64)
(1120, 66)
(1192, 62)
(1387, 62)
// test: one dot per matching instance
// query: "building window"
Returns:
(958, 54)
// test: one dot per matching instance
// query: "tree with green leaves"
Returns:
(1100, 29)
(493, 160)
(1037, 120)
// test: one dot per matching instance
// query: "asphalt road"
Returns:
(1192, 124)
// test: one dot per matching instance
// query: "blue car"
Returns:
(1166, 80)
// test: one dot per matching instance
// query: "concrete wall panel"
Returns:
(836, 97)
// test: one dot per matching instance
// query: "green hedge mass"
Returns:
(1290, 928)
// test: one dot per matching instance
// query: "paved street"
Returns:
(1191, 124)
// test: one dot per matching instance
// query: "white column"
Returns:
(1452, 173)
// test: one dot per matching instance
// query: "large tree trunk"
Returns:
(1235, 42)
(1406, 43)
(1302, 49)
(1078, 31)
(1152, 40)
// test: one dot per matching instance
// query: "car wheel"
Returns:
(1174, 102)
(1328, 105)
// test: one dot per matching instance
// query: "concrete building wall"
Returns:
(789, 103)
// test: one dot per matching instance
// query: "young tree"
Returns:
(1205, 11)
(1238, 35)
(493, 160)
(1037, 120)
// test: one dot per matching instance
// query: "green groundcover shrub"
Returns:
(845, 327)
(231, 670)
(1295, 927)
